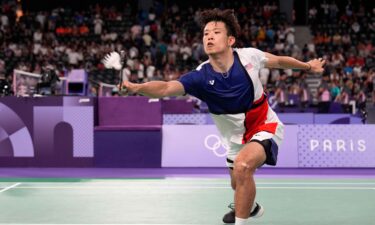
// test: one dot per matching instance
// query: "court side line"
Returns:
(220, 183)
(319, 183)
(168, 181)
(320, 188)
(10, 187)
(99, 224)
(189, 187)
(258, 183)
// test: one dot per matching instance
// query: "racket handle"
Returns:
(123, 90)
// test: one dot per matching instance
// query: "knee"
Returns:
(243, 170)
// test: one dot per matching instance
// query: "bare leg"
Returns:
(232, 180)
(248, 160)
(233, 184)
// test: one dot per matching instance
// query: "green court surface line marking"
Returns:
(184, 187)
(308, 180)
(222, 181)
(9, 187)
(64, 179)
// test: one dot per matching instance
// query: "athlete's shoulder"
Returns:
(193, 81)
(253, 56)
(195, 75)
(247, 51)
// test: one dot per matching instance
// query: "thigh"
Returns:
(252, 156)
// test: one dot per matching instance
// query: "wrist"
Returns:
(309, 66)
(135, 87)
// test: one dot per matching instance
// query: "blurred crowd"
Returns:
(164, 42)
(344, 34)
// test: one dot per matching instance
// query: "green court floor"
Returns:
(183, 201)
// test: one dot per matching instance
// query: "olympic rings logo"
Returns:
(213, 143)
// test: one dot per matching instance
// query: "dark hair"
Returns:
(217, 15)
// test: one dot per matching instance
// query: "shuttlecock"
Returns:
(112, 61)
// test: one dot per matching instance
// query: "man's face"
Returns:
(216, 39)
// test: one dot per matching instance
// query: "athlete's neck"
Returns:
(222, 63)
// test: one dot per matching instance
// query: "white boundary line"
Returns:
(319, 183)
(134, 183)
(181, 187)
(226, 181)
(320, 188)
(10, 187)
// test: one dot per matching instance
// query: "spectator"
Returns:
(98, 25)
(74, 56)
(345, 96)
(281, 92)
(304, 93)
(324, 95)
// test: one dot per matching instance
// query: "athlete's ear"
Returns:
(231, 41)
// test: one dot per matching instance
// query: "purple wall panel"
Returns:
(332, 119)
(177, 106)
(303, 146)
(128, 111)
(82, 121)
(200, 146)
(184, 146)
(46, 131)
(336, 146)
(128, 148)
(296, 118)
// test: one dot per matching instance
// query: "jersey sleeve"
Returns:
(255, 56)
(191, 82)
(260, 57)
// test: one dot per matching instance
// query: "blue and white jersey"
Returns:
(236, 99)
(225, 93)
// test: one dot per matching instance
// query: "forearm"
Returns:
(286, 62)
(152, 89)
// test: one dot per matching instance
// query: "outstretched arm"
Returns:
(286, 62)
(153, 89)
(156, 89)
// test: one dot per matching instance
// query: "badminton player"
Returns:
(229, 83)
